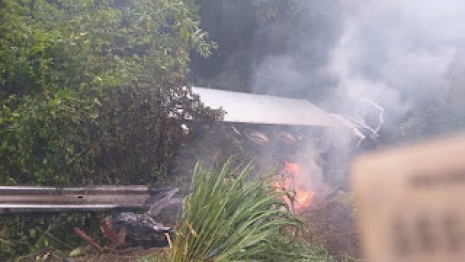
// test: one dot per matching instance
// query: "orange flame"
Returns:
(303, 195)
(304, 198)
(293, 168)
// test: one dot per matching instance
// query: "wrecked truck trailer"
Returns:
(250, 112)
(283, 126)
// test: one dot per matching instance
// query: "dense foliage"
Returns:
(87, 86)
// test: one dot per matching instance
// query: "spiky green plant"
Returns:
(232, 216)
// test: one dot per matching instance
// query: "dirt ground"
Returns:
(90, 255)
(331, 222)
(141, 255)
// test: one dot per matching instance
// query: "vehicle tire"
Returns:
(286, 138)
(256, 137)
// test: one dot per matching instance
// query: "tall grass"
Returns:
(232, 216)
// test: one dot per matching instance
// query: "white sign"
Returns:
(410, 202)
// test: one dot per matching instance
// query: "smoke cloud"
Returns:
(397, 53)
(404, 55)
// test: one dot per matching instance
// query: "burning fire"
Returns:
(293, 168)
(294, 181)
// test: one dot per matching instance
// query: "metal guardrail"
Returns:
(17, 199)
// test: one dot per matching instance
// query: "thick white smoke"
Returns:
(398, 53)
(404, 55)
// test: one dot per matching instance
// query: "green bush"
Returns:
(86, 88)
(25, 236)
(85, 91)
(232, 216)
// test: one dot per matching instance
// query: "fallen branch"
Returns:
(88, 239)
